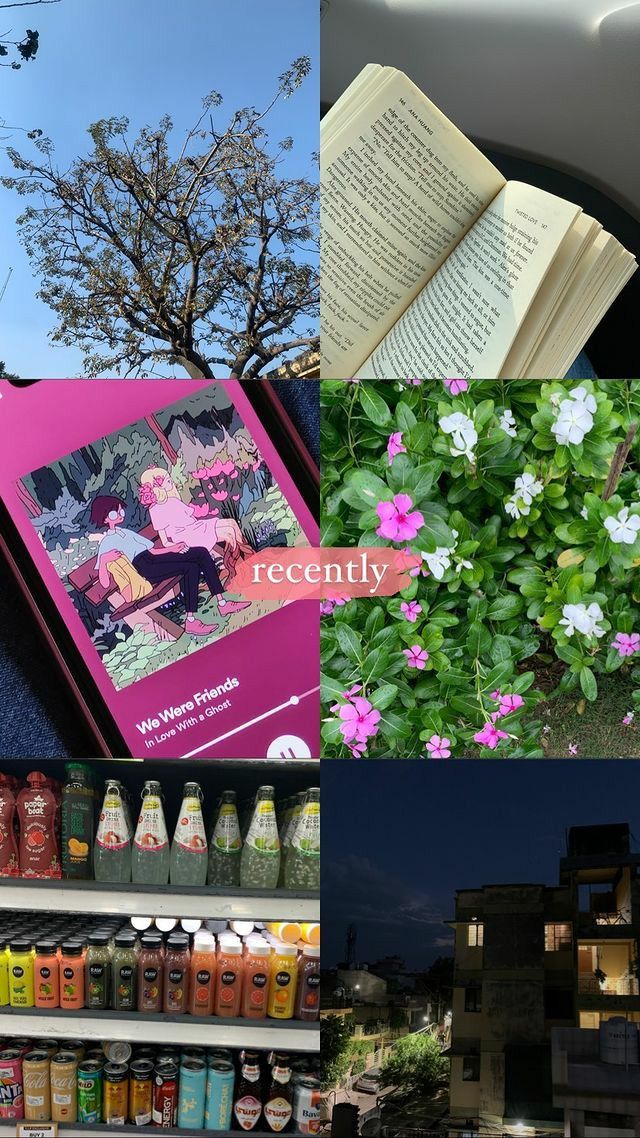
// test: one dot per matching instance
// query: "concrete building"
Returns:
(531, 958)
(596, 1079)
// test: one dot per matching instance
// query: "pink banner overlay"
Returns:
(324, 574)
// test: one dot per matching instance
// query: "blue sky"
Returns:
(142, 59)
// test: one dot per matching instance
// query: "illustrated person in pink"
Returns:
(179, 524)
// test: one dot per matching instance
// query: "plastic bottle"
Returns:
(38, 850)
(260, 864)
(98, 972)
(21, 991)
(226, 844)
(4, 974)
(151, 855)
(177, 963)
(310, 932)
(112, 852)
(72, 975)
(229, 980)
(202, 988)
(150, 973)
(9, 866)
(307, 1006)
(124, 973)
(283, 982)
(189, 846)
(255, 987)
(77, 823)
(46, 975)
(302, 865)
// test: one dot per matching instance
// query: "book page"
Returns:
(400, 185)
(465, 320)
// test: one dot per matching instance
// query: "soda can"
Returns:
(219, 1054)
(115, 1094)
(117, 1052)
(64, 1087)
(11, 1088)
(22, 1045)
(78, 1048)
(219, 1103)
(35, 1081)
(306, 1106)
(89, 1092)
(141, 1092)
(165, 1094)
(193, 1053)
(193, 1093)
(51, 1046)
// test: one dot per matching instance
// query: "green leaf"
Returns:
(375, 665)
(505, 607)
(374, 405)
(331, 689)
(368, 487)
(384, 696)
(350, 641)
(589, 684)
(330, 531)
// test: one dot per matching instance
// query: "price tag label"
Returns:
(37, 1130)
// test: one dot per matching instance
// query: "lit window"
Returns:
(475, 936)
(557, 937)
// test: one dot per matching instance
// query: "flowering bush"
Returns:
(523, 501)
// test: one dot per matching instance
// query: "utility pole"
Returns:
(6, 282)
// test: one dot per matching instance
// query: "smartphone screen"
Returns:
(134, 502)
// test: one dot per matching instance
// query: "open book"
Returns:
(433, 264)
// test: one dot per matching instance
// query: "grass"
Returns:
(596, 729)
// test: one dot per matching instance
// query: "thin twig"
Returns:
(618, 463)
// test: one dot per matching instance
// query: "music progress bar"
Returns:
(292, 702)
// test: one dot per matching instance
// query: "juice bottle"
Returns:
(302, 865)
(283, 982)
(288, 931)
(46, 975)
(124, 973)
(307, 1005)
(37, 808)
(151, 855)
(97, 971)
(21, 993)
(202, 987)
(72, 975)
(229, 981)
(255, 988)
(189, 847)
(226, 844)
(8, 846)
(150, 973)
(77, 813)
(112, 852)
(177, 963)
(260, 864)
(4, 974)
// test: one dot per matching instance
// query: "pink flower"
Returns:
(398, 522)
(148, 496)
(490, 736)
(573, 749)
(359, 720)
(456, 386)
(357, 749)
(416, 657)
(439, 747)
(327, 607)
(496, 694)
(629, 718)
(219, 495)
(201, 510)
(413, 382)
(627, 645)
(347, 695)
(394, 446)
(509, 703)
(411, 610)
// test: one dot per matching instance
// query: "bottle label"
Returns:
(307, 836)
(226, 836)
(151, 834)
(112, 828)
(247, 1111)
(263, 831)
(278, 1113)
(190, 832)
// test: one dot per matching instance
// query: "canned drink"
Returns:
(219, 1054)
(115, 1094)
(221, 1079)
(64, 1087)
(193, 1093)
(51, 1046)
(193, 1053)
(90, 1092)
(22, 1045)
(306, 1106)
(11, 1088)
(165, 1095)
(168, 1055)
(145, 1053)
(35, 1081)
(141, 1092)
(78, 1048)
(117, 1052)
(95, 1055)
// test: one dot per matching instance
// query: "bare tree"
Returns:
(206, 259)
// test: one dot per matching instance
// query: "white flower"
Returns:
(463, 432)
(575, 417)
(584, 513)
(439, 561)
(508, 423)
(460, 565)
(579, 618)
(515, 510)
(623, 529)
(527, 488)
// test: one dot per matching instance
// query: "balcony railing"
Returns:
(612, 986)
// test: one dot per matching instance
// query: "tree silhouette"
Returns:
(25, 49)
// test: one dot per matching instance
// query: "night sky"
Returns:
(399, 838)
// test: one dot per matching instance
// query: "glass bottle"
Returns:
(151, 855)
(278, 1106)
(77, 823)
(302, 864)
(226, 844)
(189, 846)
(112, 851)
(260, 864)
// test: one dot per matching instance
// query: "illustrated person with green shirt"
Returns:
(157, 563)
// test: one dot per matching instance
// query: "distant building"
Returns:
(531, 958)
(596, 1079)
